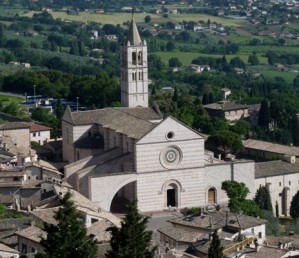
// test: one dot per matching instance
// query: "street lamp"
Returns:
(77, 103)
(34, 94)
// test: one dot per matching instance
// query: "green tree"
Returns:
(131, 240)
(215, 249)
(294, 208)
(59, 109)
(294, 128)
(170, 46)
(175, 97)
(263, 198)
(253, 60)
(241, 127)
(147, 19)
(225, 142)
(12, 108)
(264, 118)
(68, 239)
(237, 193)
(174, 62)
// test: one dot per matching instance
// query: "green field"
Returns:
(6, 99)
(113, 18)
(270, 71)
(120, 18)
(187, 57)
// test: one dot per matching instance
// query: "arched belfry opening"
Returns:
(212, 195)
(140, 58)
(172, 196)
(134, 58)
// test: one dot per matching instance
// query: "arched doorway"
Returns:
(172, 195)
(212, 195)
(172, 191)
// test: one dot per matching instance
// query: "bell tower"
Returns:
(134, 72)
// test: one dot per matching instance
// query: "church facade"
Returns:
(132, 152)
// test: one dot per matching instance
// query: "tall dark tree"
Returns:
(59, 109)
(294, 209)
(215, 249)
(263, 199)
(175, 97)
(68, 239)
(131, 239)
(264, 115)
(294, 128)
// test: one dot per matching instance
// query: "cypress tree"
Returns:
(215, 249)
(59, 109)
(294, 128)
(67, 239)
(263, 199)
(264, 115)
(131, 240)
(175, 97)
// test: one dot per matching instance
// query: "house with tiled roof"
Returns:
(7, 252)
(194, 233)
(229, 110)
(38, 132)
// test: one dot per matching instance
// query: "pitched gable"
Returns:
(67, 116)
(170, 145)
(170, 129)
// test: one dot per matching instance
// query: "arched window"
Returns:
(134, 58)
(140, 58)
(212, 195)
(133, 76)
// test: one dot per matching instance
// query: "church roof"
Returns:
(132, 122)
(275, 168)
(133, 35)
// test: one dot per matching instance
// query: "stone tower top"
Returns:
(133, 35)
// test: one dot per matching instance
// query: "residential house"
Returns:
(229, 110)
(29, 240)
(39, 133)
(7, 252)
(199, 68)
(194, 233)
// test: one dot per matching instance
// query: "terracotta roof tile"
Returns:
(33, 233)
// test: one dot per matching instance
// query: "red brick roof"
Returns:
(34, 127)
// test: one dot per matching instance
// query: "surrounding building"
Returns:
(193, 234)
(282, 180)
(7, 252)
(262, 150)
(229, 110)
(39, 133)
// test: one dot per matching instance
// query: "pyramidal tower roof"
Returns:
(133, 35)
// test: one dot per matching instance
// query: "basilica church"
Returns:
(134, 153)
